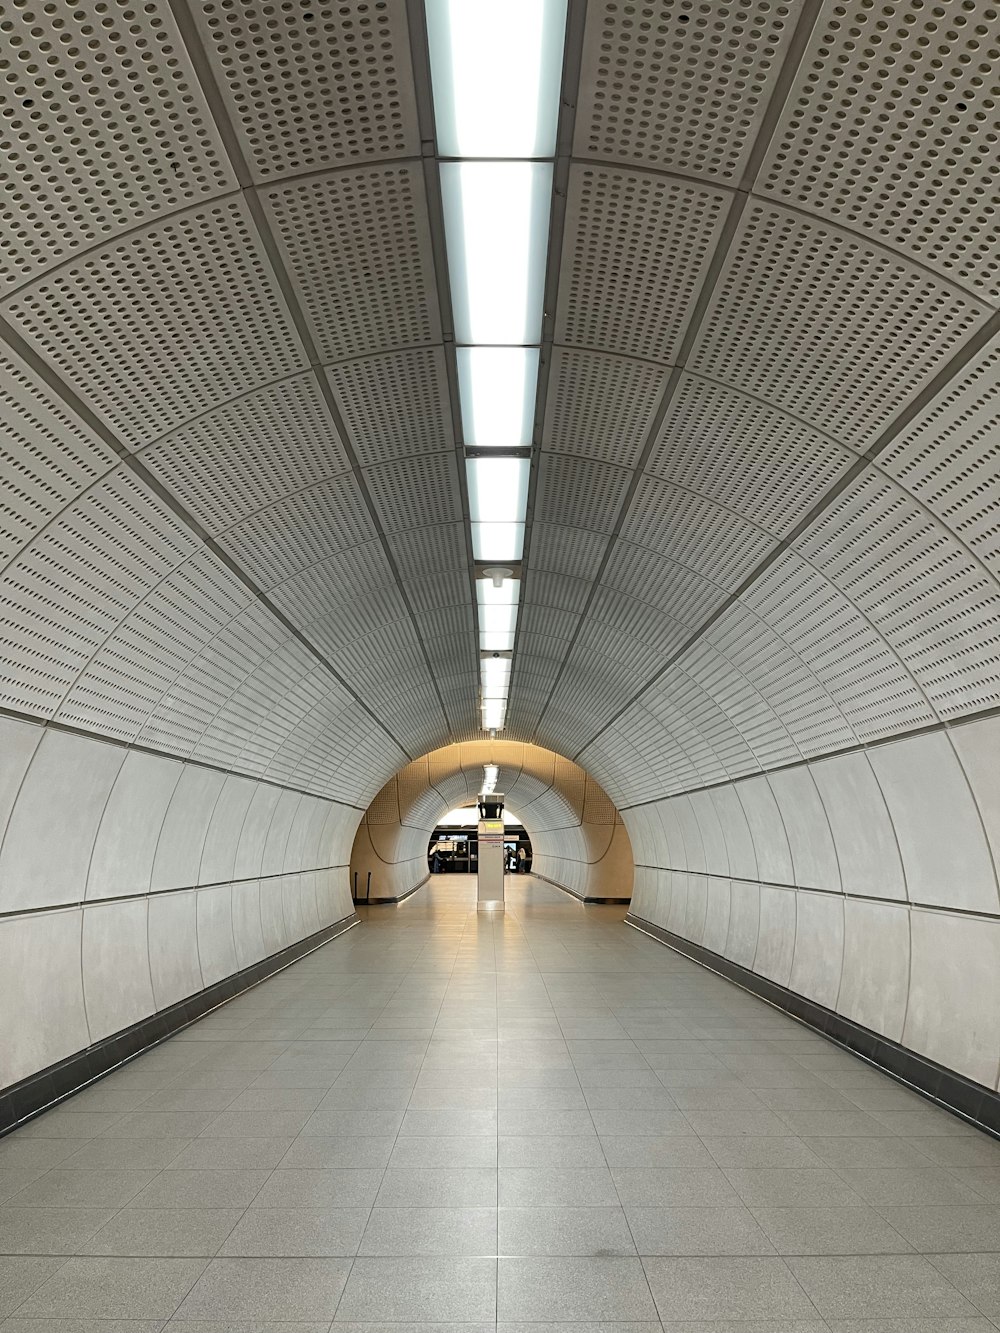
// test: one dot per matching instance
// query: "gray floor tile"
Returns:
(231, 1154)
(721, 1230)
(760, 1153)
(267, 1289)
(693, 1186)
(255, 1125)
(477, 1151)
(126, 1154)
(560, 1289)
(20, 1276)
(791, 1187)
(296, 1233)
(49, 1230)
(438, 1187)
(726, 1289)
(830, 1230)
(539, 1150)
(958, 1229)
(460, 1124)
(425, 1289)
(580, 1232)
(903, 1186)
(201, 1189)
(319, 1188)
(545, 1123)
(564, 1187)
(17, 1324)
(650, 1150)
(977, 1276)
(169, 1232)
(339, 1152)
(409, 1232)
(81, 1189)
(875, 1286)
(866, 1152)
(115, 1289)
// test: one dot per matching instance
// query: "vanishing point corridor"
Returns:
(540, 1119)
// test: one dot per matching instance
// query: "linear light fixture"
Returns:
(496, 66)
(497, 389)
(496, 70)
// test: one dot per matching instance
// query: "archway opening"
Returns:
(453, 847)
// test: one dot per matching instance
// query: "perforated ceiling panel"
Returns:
(240, 458)
(892, 128)
(600, 406)
(164, 325)
(634, 258)
(314, 86)
(104, 127)
(680, 84)
(825, 326)
(395, 405)
(357, 244)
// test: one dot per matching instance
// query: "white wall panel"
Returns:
(18, 742)
(216, 948)
(40, 960)
(744, 922)
(253, 835)
(945, 856)
(978, 747)
(173, 947)
(771, 852)
(50, 835)
(248, 937)
(218, 857)
(122, 861)
(818, 960)
(736, 831)
(712, 836)
(185, 827)
(278, 832)
(718, 906)
(953, 1014)
(117, 987)
(776, 937)
(876, 974)
(804, 822)
(862, 831)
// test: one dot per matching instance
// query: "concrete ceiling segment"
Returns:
(762, 510)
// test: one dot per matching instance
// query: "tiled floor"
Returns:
(542, 1119)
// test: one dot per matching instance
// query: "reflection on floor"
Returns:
(540, 1118)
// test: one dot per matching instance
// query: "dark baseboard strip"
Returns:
(21, 1101)
(590, 902)
(971, 1101)
(389, 902)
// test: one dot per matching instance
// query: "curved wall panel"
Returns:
(578, 839)
(117, 888)
(887, 910)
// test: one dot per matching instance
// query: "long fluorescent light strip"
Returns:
(496, 210)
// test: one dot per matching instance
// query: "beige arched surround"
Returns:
(578, 839)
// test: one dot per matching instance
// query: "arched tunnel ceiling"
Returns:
(763, 518)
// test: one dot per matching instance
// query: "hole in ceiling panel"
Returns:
(891, 127)
(600, 407)
(827, 327)
(105, 127)
(165, 325)
(357, 244)
(679, 84)
(314, 86)
(395, 406)
(634, 258)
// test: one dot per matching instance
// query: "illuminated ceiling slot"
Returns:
(496, 71)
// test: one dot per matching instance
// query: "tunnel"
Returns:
(604, 392)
